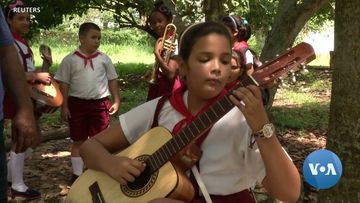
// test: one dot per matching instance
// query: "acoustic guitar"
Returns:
(47, 97)
(158, 147)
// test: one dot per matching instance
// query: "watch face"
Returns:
(268, 130)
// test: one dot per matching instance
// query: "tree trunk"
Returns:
(290, 19)
(213, 10)
(344, 123)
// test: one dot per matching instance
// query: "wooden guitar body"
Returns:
(168, 181)
(47, 97)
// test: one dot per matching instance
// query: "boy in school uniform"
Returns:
(87, 77)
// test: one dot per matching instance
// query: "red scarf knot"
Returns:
(176, 100)
(87, 58)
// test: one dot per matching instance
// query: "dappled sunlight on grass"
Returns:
(312, 115)
(117, 53)
(322, 59)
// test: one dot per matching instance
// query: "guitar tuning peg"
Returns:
(293, 78)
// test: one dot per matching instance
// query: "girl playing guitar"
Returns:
(236, 153)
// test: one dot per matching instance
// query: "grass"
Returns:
(305, 105)
(117, 53)
(322, 59)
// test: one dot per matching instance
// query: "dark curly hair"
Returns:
(160, 7)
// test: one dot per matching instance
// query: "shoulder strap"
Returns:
(159, 106)
(23, 56)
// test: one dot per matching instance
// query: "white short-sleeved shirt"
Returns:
(228, 165)
(85, 82)
(249, 57)
(29, 60)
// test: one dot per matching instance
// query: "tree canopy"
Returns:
(134, 13)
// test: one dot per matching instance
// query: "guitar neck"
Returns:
(196, 128)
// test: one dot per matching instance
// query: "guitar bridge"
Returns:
(96, 194)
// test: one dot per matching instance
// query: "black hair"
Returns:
(9, 12)
(193, 32)
(85, 27)
(235, 23)
(159, 6)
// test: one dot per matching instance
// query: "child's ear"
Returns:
(180, 61)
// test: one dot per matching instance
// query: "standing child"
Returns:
(229, 164)
(19, 24)
(241, 32)
(12, 76)
(160, 17)
(87, 78)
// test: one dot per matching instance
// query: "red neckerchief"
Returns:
(231, 85)
(22, 40)
(176, 100)
(240, 45)
(87, 58)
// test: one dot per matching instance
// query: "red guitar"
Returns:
(157, 147)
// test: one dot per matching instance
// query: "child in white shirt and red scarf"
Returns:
(234, 154)
(87, 78)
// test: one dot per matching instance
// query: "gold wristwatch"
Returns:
(267, 131)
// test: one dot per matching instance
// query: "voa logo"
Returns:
(328, 170)
(322, 169)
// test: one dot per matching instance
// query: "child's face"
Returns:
(208, 66)
(20, 23)
(235, 70)
(158, 22)
(90, 41)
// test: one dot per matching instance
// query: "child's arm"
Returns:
(169, 69)
(97, 154)
(114, 90)
(38, 76)
(65, 112)
(14, 81)
(282, 179)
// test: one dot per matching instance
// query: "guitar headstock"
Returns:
(289, 62)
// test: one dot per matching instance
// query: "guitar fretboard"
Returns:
(198, 126)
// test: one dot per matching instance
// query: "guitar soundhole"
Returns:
(141, 180)
(142, 183)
